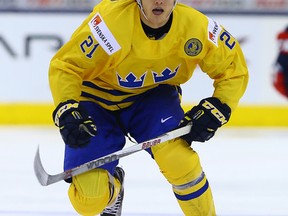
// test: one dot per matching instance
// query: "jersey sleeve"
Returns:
(80, 58)
(224, 62)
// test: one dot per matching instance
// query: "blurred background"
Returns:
(31, 31)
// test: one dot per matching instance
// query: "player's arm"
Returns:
(68, 68)
(225, 64)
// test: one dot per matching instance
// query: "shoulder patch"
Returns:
(103, 35)
(214, 30)
(193, 47)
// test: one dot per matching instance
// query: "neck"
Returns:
(157, 33)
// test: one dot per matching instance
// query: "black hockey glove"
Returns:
(76, 126)
(206, 118)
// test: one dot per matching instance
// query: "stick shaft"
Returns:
(46, 179)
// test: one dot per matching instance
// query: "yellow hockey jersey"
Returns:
(110, 60)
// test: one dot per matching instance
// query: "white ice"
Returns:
(247, 169)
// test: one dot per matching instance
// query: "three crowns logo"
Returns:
(132, 81)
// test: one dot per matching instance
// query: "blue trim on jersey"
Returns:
(112, 92)
(194, 194)
(107, 102)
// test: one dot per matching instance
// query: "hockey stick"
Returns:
(46, 179)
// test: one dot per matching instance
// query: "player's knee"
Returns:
(178, 162)
(89, 192)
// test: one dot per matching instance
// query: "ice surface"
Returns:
(247, 169)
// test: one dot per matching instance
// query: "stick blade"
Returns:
(39, 171)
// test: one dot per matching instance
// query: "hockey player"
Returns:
(280, 81)
(121, 73)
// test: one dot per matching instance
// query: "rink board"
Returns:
(243, 116)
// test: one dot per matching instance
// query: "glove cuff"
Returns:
(62, 108)
(219, 110)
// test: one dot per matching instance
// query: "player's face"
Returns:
(157, 12)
